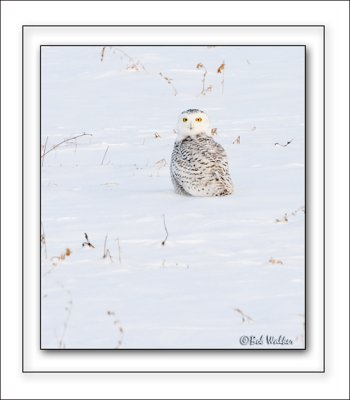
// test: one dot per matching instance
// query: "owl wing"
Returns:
(215, 159)
(178, 169)
(200, 164)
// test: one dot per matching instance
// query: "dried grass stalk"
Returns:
(221, 70)
(169, 81)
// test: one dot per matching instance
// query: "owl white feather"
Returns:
(199, 165)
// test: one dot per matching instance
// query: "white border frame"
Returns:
(332, 384)
(311, 360)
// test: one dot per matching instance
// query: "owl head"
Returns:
(192, 122)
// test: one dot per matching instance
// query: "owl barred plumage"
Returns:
(199, 165)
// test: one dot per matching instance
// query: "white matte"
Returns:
(172, 361)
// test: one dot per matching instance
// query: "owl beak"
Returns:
(191, 126)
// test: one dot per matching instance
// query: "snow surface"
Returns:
(214, 266)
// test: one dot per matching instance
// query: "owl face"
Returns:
(191, 123)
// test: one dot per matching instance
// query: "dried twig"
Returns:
(166, 231)
(104, 247)
(43, 239)
(275, 261)
(119, 328)
(284, 145)
(161, 163)
(237, 140)
(104, 155)
(44, 149)
(283, 219)
(209, 88)
(57, 260)
(169, 82)
(221, 70)
(102, 53)
(68, 309)
(302, 209)
(87, 243)
(245, 317)
(293, 213)
(64, 141)
(201, 66)
(134, 64)
(106, 252)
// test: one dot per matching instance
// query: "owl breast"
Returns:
(199, 167)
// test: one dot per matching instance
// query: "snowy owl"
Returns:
(198, 164)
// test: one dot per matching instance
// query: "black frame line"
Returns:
(175, 26)
(196, 0)
(305, 223)
(172, 45)
(324, 199)
(193, 0)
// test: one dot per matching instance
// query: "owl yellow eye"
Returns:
(198, 119)
(184, 119)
